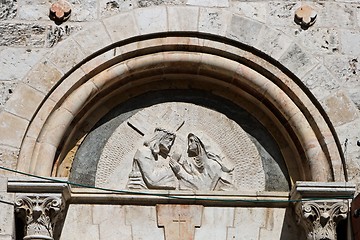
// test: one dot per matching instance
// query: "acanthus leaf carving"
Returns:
(40, 214)
(320, 218)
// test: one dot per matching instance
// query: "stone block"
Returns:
(209, 3)
(149, 3)
(83, 10)
(151, 20)
(183, 18)
(213, 20)
(7, 237)
(94, 40)
(24, 101)
(111, 220)
(335, 14)
(43, 76)
(281, 13)
(7, 222)
(6, 91)
(252, 10)
(8, 159)
(321, 82)
(78, 224)
(8, 9)
(22, 34)
(34, 11)
(340, 108)
(215, 223)
(297, 60)
(12, 129)
(55, 33)
(244, 30)
(114, 7)
(350, 40)
(349, 138)
(346, 69)
(119, 32)
(142, 220)
(16, 62)
(319, 40)
(66, 55)
(272, 42)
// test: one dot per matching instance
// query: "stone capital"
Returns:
(321, 206)
(41, 204)
(40, 214)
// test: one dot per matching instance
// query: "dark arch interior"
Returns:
(85, 162)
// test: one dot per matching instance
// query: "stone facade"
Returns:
(268, 88)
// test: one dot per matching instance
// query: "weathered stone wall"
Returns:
(35, 53)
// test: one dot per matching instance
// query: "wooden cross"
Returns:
(179, 221)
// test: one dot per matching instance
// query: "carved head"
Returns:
(195, 146)
(161, 142)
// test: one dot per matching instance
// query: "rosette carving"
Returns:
(321, 218)
(39, 214)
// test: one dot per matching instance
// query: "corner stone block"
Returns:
(24, 101)
(183, 18)
(244, 30)
(12, 129)
(297, 60)
(126, 29)
(150, 20)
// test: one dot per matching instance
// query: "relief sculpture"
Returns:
(202, 170)
(150, 168)
(199, 169)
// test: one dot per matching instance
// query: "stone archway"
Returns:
(230, 71)
(89, 74)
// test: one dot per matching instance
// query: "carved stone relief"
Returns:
(182, 146)
(40, 214)
(179, 221)
(320, 218)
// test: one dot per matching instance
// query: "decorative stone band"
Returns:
(323, 205)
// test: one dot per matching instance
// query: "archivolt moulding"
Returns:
(183, 61)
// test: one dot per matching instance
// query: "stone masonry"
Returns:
(36, 52)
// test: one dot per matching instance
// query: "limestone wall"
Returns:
(35, 53)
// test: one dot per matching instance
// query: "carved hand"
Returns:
(174, 165)
(176, 157)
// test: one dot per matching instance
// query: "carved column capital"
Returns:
(40, 214)
(320, 218)
(321, 206)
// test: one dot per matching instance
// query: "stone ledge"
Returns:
(337, 190)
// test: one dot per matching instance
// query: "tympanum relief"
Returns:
(200, 169)
(180, 146)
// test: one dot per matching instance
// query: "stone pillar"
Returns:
(40, 214)
(320, 206)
